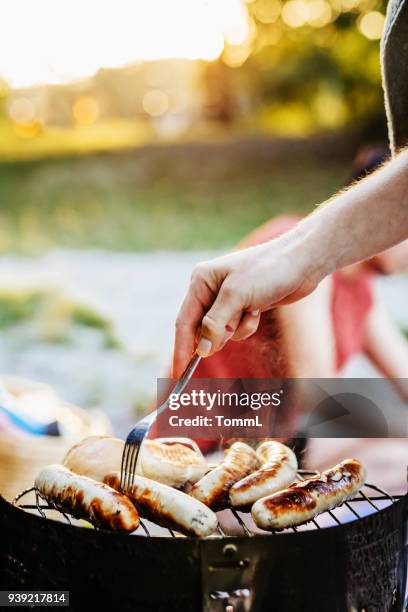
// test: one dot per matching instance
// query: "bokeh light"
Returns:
(85, 110)
(267, 11)
(371, 25)
(22, 110)
(155, 102)
(260, 57)
(236, 30)
(28, 130)
(320, 13)
(58, 42)
(295, 13)
(236, 56)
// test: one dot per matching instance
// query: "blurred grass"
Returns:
(54, 314)
(18, 306)
(33, 142)
(187, 196)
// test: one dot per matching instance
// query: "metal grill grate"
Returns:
(234, 522)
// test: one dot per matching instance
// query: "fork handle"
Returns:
(182, 382)
(187, 374)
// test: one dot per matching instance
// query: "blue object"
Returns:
(31, 425)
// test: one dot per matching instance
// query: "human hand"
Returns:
(226, 295)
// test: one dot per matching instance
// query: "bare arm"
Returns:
(367, 218)
(387, 348)
(226, 294)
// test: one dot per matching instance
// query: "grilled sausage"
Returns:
(85, 498)
(168, 507)
(277, 471)
(304, 500)
(213, 488)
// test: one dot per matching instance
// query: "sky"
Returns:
(56, 41)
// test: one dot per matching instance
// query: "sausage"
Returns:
(212, 489)
(85, 498)
(168, 507)
(277, 471)
(304, 500)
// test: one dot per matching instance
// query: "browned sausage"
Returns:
(167, 506)
(277, 471)
(85, 498)
(304, 500)
(212, 489)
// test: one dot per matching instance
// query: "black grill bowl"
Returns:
(357, 566)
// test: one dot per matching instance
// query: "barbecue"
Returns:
(352, 558)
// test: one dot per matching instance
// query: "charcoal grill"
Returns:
(350, 559)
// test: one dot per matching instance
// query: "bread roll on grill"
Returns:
(172, 464)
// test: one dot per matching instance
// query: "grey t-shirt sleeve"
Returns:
(394, 62)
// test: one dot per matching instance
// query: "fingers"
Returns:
(240, 328)
(247, 326)
(221, 293)
(221, 321)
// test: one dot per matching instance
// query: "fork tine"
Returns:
(125, 468)
(129, 476)
(131, 467)
(122, 465)
(141, 431)
(130, 453)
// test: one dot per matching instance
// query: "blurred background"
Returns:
(138, 137)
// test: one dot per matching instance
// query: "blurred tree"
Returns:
(314, 63)
(218, 102)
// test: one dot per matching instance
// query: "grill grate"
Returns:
(366, 502)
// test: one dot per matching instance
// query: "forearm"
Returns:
(358, 223)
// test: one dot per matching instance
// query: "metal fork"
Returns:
(141, 429)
